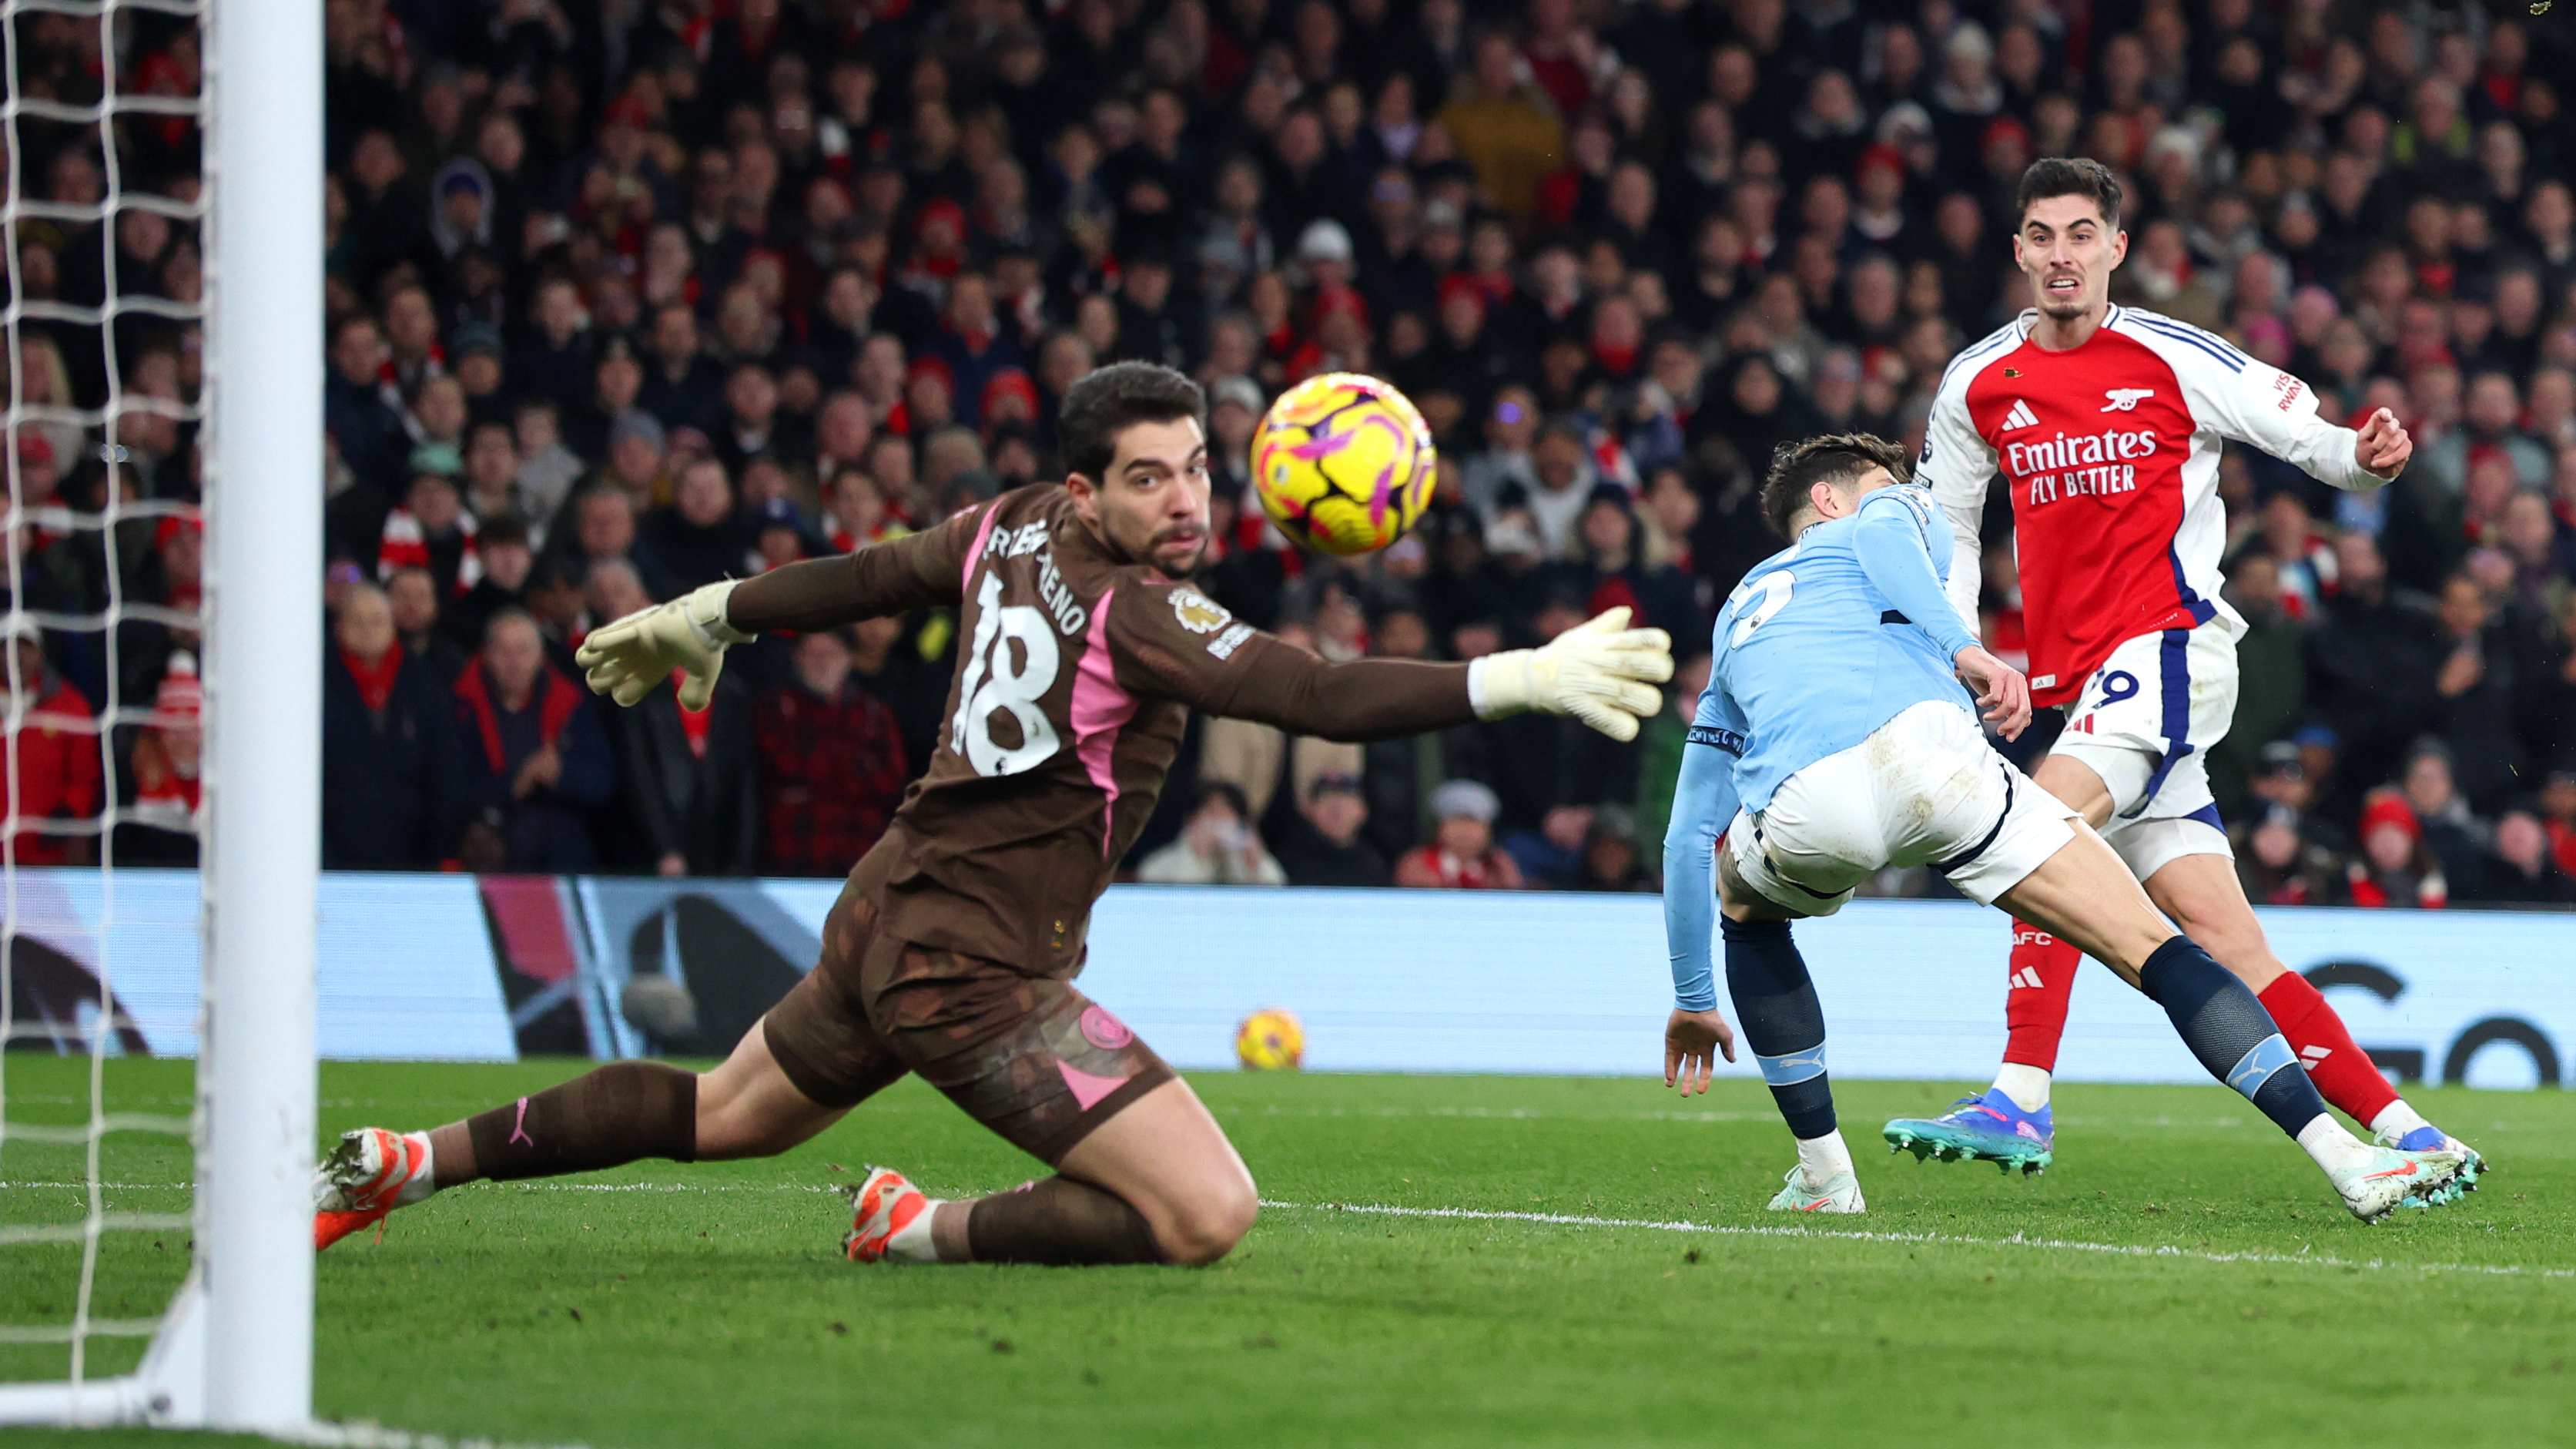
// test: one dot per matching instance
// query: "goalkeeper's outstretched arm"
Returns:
(918, 571)
(1602, 673)
(626, 659)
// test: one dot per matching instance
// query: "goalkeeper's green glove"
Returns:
(1601, 672)
(625, 659)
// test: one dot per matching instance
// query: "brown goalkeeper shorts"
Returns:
(1030, 1057)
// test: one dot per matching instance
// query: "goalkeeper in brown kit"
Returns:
(952, 951)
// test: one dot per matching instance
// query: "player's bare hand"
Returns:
(2382, 446)
(1600, 671)
(536, 772)
(2465, 670)
(626, 659)
(1692, 1042)
(2003, 694)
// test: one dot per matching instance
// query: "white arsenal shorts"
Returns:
(2145, 723)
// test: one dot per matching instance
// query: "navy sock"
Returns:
(1776, 1005)
(2226, 1026)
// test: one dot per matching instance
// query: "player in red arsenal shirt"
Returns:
(2105, 423)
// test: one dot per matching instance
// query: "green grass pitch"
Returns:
(1519, 1261)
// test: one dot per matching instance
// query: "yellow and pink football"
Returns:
(1270, 1040)
(1343, 463)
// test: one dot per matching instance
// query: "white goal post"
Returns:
(235, 1348)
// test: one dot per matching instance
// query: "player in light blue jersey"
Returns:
(1834, 740)
(1837, 634)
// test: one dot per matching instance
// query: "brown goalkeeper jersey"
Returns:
(1074, 677)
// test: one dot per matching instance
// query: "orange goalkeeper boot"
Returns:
(881, 1206)
(372, 1172)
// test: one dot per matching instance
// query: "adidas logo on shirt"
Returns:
(2020, 417)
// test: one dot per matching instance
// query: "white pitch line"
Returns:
(367, 1434)
(2018, 1241)
(1513, 1114)
(1956, 1240)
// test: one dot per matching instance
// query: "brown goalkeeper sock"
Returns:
(1059, 1221)
(618, 1114)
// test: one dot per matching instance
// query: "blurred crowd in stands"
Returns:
(630, 296)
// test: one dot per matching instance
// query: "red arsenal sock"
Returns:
(2043, 977)
(2344, 1074)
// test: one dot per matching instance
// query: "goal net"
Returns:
(159, 749)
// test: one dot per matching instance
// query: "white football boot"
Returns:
(1840, 1194)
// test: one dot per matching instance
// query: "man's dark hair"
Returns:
(553, 576)
(2069, 176)
(1112, 399)
(1824, 458)
(507, 615)
(1230, 794)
